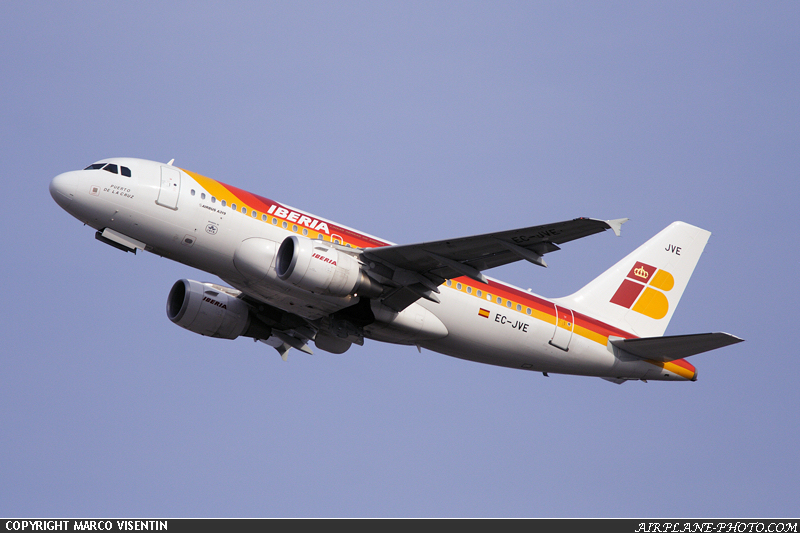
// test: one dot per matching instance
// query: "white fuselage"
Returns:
(181, 216)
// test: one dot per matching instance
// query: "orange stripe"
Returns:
(242, 198)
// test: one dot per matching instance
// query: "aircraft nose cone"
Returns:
(63, 188)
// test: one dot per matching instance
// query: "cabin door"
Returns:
(170, 187)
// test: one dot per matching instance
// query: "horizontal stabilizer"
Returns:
(667, 349)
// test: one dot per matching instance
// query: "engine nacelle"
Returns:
(320, 268)
(204, 309)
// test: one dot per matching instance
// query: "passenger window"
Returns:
(469, 290)
(111, 167)
(508, 303)
(202, 196)
(213, 199)
(223, 202)
(125, 171)
(264, 217)
(244, 210)
(519, 307)
(233, 206)
(192, 191)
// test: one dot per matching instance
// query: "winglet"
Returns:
(616, 224)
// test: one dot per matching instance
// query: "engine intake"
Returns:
(206, 309)
(320, 268)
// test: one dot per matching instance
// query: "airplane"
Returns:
(294, 278)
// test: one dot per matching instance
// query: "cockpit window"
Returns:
(110, 167)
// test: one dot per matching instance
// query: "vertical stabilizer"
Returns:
(640, 293)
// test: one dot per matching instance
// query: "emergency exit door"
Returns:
(564, 326)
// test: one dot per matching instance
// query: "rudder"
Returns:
(640, 293)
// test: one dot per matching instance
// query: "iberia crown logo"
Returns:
(643, 291)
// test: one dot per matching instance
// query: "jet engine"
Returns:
(317, 267)
(212, 311)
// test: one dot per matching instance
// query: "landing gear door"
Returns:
(170, 187)
(564, 326)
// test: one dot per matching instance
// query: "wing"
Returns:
(416, 270)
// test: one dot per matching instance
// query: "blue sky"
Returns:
(410, 121)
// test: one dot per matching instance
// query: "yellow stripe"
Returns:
(544, 317)
(591, 335)
(672, 367)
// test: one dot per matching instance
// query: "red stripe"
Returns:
(546, 306)
(684, 364)
(600, 327)
(261, 204)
